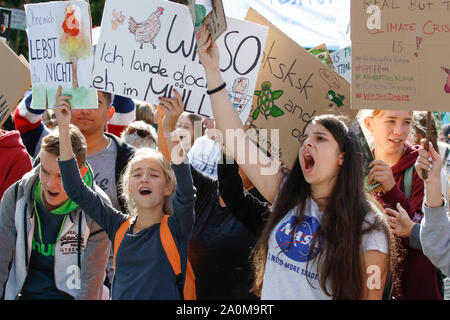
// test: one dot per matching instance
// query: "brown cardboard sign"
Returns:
(15, 80)
(293, 86)
(400, 54)
(215, 20)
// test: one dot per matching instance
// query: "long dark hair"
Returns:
(341, 229)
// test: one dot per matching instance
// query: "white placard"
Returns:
(147, 49)
(60, 52)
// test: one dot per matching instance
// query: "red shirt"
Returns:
(14, 159)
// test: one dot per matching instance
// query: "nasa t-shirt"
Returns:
(286, 277)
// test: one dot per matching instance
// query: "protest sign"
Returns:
(293, 86)
(210, 13)
(154, 50)
(342, 61)
(15, 80)
(321, 52)
(60, 52)
(309, 22)
(400, 54)
(5, 23)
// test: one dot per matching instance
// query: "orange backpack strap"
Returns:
(169, 245)
(118, 237)
(187, 291)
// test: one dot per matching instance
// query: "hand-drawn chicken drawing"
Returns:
(146, 32)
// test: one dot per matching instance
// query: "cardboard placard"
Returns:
(5, 23)
(210, 13)
(154, 50)
(293, 86)
(61, 52)
(342, 61)
(15, 80)
(400, 55)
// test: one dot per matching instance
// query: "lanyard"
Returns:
(39, 225)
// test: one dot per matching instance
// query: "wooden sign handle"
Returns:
(427, 142)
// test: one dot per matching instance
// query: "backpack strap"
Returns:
(407, 182)
(118, 237)
(444, 159)
(172, 252)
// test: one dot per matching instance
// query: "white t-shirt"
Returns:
(204, 155)
(285, 276)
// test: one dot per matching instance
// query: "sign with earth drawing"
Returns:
(293, 86)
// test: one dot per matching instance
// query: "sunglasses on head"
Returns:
(140, 132)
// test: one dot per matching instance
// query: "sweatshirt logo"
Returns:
(300, 245)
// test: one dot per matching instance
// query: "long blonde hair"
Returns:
(147, 153)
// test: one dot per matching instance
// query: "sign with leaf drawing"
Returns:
(293, 86)
(15, 80)
(60, 52)
(146, 50)
(400, 54)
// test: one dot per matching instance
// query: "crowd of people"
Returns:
(99, 203)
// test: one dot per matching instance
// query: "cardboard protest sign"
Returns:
(293, 87)
(210, 13)
(400, 54)
(342, 61)
(15, 80)
(5, 23)
(321, 52)
(61, 53)
(153, 50)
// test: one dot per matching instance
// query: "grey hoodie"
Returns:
(17, 223)
(435, 237)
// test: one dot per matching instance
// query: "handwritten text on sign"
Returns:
(60, 52)
(149, 50)
(401, 54)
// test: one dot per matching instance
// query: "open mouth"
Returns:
(309, 162)
(145, 191)
(53, 194)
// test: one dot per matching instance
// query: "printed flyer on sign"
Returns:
(60, 52)
(152, 49)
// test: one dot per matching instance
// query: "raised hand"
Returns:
(430, 161)
(62, 109)
(173, 107)
(208, 51)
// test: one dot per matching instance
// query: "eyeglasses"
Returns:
(140, 132)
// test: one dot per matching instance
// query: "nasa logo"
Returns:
(304, 234)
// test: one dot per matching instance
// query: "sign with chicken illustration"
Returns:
(60, 52)
(153, 50)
